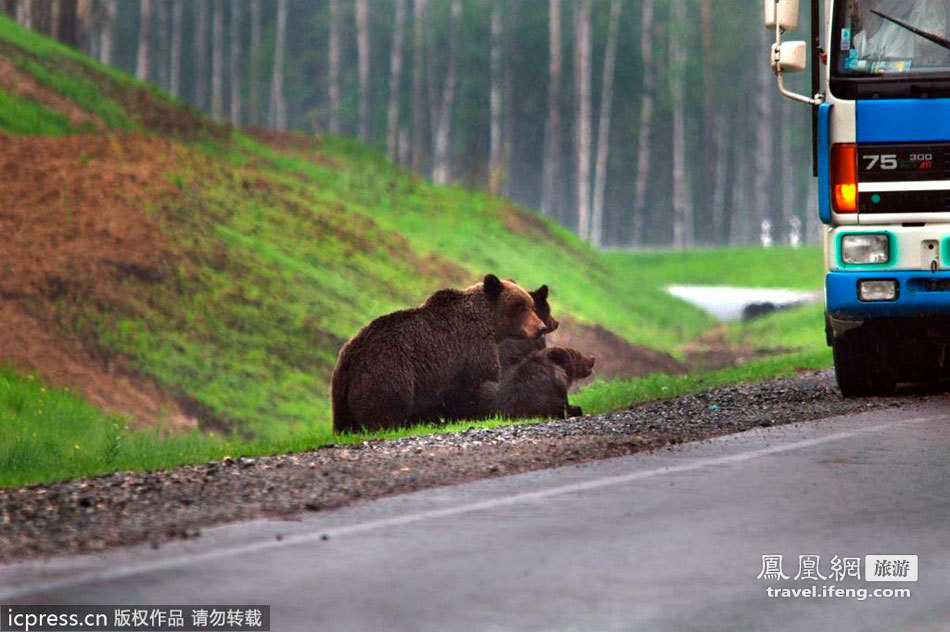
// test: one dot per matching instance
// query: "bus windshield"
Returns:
(892, 37)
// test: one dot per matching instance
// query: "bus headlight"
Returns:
(865, 248)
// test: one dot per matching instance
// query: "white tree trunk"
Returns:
(721, 123)
(582, 85)
(765, 139)
(710, 120)
(175, 74)
(145, 23)
(551, 186)
(201, 52)
(494, 148)
(441, 171)
(813, 227)
(395, 78)
(235, 63)
(255, 78)
(740, 217)
(278, 109)
(682, 204)
(55, 17)
(106, 32)
(790, 169)
(418, 105)
(24, 13)
(333, 74)
(84, 12)
(645, 127)
(510, 50)
(363, 61)
(217, 61)
(603, 128)
(159, 63)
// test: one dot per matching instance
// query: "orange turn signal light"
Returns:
(844, 177)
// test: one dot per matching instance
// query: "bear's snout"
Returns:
(534, 327)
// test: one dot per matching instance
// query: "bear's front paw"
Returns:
(574, 411)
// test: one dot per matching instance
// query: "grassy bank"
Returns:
(48, 434)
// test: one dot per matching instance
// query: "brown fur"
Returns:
(511, 352)
(537, 386)
(427, 363)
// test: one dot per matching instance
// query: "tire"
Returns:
(861, 365)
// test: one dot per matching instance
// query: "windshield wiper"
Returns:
(936, 39)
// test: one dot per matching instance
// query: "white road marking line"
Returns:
(301, 538)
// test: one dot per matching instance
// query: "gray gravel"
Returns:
(126, 508)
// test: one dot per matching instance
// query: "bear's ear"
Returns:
(541, 292)
(492, 286)
(558, 356)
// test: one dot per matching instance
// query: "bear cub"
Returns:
(430, 363)
(537, 386)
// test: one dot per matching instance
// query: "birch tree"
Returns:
(740, 218)
(201, 54)
(174, 74)
(418, 107)
(395, 78)
(494, 152)
(440, 151)
(603, 127)
(717, 232)
(709, 108)
(160, 44)
(55, 16)
(813, 227)
(509, 51)
(789, 169)
(217, 61)
(84, 25)
(106, 30)
(24, 13)
(235, 63)
(145, 23)
(278, 109)
(582, 85)
(765, 140)
(255, 75)
(551, 178)
(645, 126)
(363, 64)
(682, 204)
(333, 83)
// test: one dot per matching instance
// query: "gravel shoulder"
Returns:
(129, 508)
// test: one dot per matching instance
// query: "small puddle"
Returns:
(728, 303)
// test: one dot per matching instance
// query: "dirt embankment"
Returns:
(14, 81)
(72, 227)
(616, 357)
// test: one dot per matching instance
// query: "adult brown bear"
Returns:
(512, 351)
(430, 362)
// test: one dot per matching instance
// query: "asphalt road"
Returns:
(671, 540)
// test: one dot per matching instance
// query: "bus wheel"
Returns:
(861, 366)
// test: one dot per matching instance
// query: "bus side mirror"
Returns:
(792, 57)
(787, 14)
